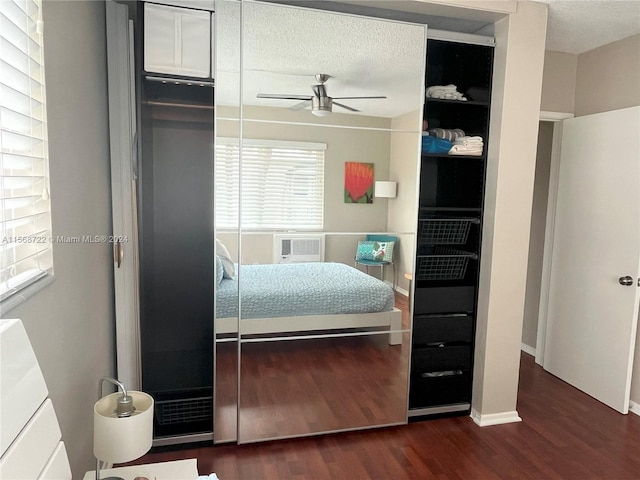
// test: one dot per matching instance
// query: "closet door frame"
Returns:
(123, 145)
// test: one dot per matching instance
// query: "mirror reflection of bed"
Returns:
(290, 298)
(307, 376)
(320, 345)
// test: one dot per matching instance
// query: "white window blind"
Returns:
(25, 220)
(282, 184)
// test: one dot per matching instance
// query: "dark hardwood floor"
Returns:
(564, 435)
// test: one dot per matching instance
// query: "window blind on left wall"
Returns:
(25, 218)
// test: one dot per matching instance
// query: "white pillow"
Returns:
(219, 270)
(227, 263)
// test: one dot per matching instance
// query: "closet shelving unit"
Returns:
(449, 231)
(175, 225)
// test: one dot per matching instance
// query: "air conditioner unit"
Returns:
(299, 247)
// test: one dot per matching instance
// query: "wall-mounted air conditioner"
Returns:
(298, 247)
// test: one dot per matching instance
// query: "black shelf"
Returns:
(452, 190)
(462, 157)
(458, 102)
(450, 209)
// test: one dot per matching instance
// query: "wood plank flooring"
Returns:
(296, 388)
(564, 435)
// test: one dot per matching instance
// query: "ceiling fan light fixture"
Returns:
(321, 102)
(321, 106)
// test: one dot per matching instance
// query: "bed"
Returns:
(303, 297)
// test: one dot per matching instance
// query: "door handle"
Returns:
(118, 253)
(627, 281)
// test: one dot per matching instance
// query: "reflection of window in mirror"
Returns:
(282, 184)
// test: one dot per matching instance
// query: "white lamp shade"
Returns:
(385, 189)
(119, 440)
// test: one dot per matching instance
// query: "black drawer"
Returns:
(450, 328)
(444, 390)
(444, 299)
(438, 359)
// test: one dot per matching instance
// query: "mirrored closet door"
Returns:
(320, 346)
(227, 186)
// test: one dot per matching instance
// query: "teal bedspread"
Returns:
(295, 289)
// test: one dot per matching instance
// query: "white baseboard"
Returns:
(528, 349)
(402, 291)
(489, 419)
(634, 407)
(398, 289)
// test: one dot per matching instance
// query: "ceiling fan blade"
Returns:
(284, 96)
(354, 98)
(345, 106)
(301, 105)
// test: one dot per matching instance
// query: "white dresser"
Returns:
(31, 444)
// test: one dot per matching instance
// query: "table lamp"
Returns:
(122, 426)
(385, 189)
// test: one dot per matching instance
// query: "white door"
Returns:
(122, 130)
(592, 316)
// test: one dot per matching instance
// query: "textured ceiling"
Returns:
(574, 26)
(365, 57)
(577, 26)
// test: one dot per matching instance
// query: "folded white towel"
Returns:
(470, 141)
(465, 150)
(450, 87)
(213, 476)
(449, 92)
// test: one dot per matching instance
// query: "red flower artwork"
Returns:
(358, 182)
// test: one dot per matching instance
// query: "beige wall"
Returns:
(559, 82)
(608, 78)
(519, 59)
(71, 322)
(536, 239)
(599, 80)
(403, 169)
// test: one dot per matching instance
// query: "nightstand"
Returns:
(177, 470)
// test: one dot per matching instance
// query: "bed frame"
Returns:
(254, 326)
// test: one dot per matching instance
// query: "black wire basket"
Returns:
(443, 264)
(445, 230)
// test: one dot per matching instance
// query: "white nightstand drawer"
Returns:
(28, 455)
(58, 466)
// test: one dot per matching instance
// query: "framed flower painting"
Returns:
(358, 182)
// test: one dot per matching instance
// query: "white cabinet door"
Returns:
(177, 41)
(593, 294)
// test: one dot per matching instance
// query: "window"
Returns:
(25, 220)
(282, 184)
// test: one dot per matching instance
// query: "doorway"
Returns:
(547, 159)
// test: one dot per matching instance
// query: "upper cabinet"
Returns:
(177, 41)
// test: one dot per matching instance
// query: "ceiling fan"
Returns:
(321, 103)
